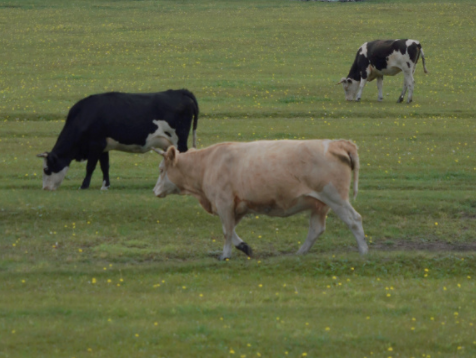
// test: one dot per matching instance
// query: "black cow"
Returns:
(378, 58)
(119, 121)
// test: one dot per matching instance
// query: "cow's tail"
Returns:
(351, 149)
(195, 115)
(423, 59)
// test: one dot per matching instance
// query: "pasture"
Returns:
(124, 274)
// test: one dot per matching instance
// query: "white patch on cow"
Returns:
(391, 70)
(396, 63)
(53, 181)
(104, 187)
(164, 185)
(164, 130)
(363, 49)
(163, 137)
(408, 43)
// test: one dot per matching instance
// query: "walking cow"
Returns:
(275, 178)
(378, 58)
(119, 121)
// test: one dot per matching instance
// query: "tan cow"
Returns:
(276, 178)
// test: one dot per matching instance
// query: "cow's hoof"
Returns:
(223, 258)
(245, 248)
(410, 101)
(400, 100)
(357, 100)
(364, 249)
(83, 187)
(380, 99)
(104, 186)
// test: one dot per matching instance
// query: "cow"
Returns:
(128, 122)
(383, 57)
(275, 178)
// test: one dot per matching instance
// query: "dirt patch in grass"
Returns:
(403, 245)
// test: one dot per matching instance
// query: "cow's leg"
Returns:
(229, 222)
(95, 151)
(104, 162)
(240, 244)
(230, 236)
(90, 166)
(227, 218)
(317, 225)
(363, 81)
(404, 90)
(380, 88)
(352, 218)
(410, 84)
(331, 197)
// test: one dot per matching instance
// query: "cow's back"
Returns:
(128, 117)
(275, 170)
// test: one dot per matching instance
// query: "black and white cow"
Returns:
(119, 121)
(380, 58)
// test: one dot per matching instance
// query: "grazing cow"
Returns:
(119, 121)
(275, 178)
(378, 58)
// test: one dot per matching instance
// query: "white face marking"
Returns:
(163, 138)
(350, 89)
(164, 186)
(53, 181)
(410, 42)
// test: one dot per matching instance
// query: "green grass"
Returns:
(122, 273)
(339, 307)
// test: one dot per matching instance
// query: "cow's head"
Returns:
(351, 87)
(164, 185)
(54, 171)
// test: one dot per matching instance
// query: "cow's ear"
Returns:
(349, 81)
(342, 80)
(172, 155)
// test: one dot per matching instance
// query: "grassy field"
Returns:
(124, 274)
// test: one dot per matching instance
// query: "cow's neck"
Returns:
(354, 72)
(190, 175)
(66, 147)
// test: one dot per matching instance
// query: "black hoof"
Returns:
(400, 100)
(245, 248)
